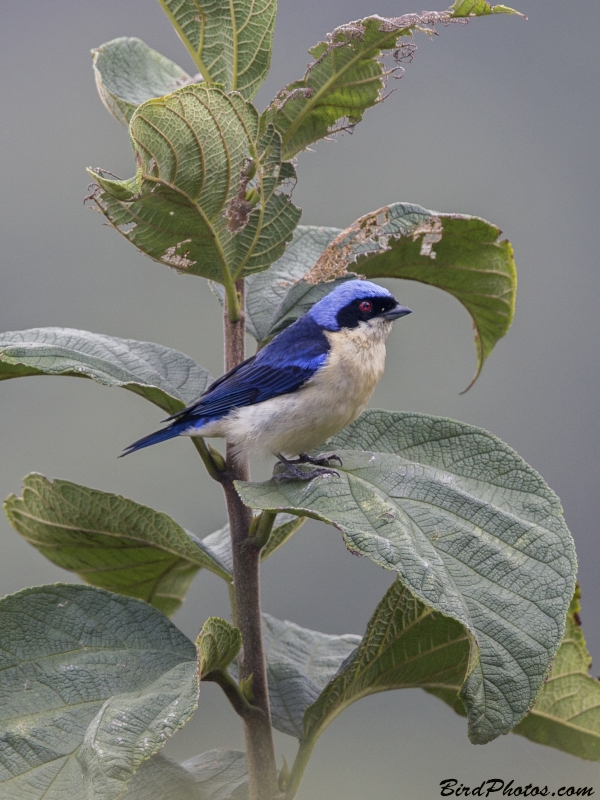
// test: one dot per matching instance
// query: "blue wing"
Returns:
(283, 366)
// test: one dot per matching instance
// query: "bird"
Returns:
(305, 385)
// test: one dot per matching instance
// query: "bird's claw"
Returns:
(293, 473)
(319, 461)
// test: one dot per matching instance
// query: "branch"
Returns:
(233, 693)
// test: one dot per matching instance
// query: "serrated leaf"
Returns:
(268, 290)
(218, 644)
(300, 663)
(230, 42)
(472, 530)
(110, 541)
(479, 8)
(347, 77)
(406, 645)
(460, 254)
(166, 377)
(220, 774)
(93, 684)
(186, 208)
(219, 542)
(128, 73)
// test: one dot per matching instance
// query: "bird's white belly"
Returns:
(297, 422)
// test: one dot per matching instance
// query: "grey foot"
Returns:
(320, 461)
(294, 473)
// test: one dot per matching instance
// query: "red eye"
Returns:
(365, 306)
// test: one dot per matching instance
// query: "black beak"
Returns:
(396, 312)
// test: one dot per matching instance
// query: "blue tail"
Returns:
(154, 438)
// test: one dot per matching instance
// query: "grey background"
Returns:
(498, 118)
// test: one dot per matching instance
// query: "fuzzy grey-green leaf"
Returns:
(220, 774)
(300, 663)
(229, 42)
(110, 541)
(473, 532)
(128, 73)
(160, 778)
(93, 684)
(166, 377)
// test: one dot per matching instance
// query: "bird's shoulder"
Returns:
(282, 366)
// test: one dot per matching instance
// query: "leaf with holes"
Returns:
(93, 684)
(166, 377)
(128, 73)
(472, 530)
(230, 42)
(460, 254)
(347, 77)
(187, 207)
(109, 541)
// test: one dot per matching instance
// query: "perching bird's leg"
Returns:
(294, 473)
(320, 461)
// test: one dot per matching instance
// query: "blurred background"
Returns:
(498, 118)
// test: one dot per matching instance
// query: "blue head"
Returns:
(354, 302)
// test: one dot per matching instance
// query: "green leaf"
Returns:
(109, 541)
(186, 208)
(220, 774)
(166, 377)
(218, 644)
(566, 714)
(347, 77)
(128, 73)
(218, 544)
(460, 254)
(229, 42)
(300, 663)
(406, 645)
(479, 8)
(93, 684)
(268, 290)
(473, 532)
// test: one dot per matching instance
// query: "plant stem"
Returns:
(233, 693)
(246, 585)
(300, 762)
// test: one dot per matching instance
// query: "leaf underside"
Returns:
(185, 208)
(110, 541)
(218, 643)
(128, 73)
(93, 683)
(164, 376)
(473, 532)
(229, 42)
